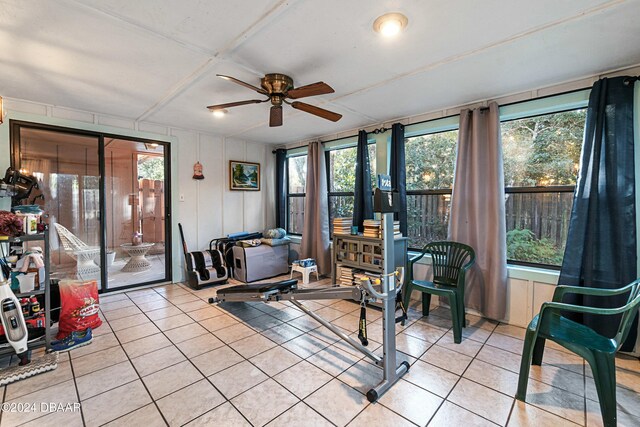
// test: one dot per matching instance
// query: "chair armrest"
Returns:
(558, 306)
(415, 259)
(562, 290)
(408, 277)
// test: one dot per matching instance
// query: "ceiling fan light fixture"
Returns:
(219, 113)
(390, 24)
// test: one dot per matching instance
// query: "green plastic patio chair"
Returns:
(450, 260)
(599, 351)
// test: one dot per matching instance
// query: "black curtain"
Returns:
(399, 174)
(362, 198)
(601, 249)
(281, 188)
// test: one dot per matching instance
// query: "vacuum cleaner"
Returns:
(15, 329)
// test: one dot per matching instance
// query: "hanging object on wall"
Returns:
(197, 171)
(1, 111)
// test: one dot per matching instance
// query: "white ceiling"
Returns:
(150, 60)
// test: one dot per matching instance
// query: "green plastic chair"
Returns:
(450, 260)
(599, 351)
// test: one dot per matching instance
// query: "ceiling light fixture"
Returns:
(219, 113)
(390, 24)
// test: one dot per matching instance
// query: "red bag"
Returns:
(79, 306)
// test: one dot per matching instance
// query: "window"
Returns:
(430, 160)
(542, 141)
(541, 158)
(297, 168)
(341, 166)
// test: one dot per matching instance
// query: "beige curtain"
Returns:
(315, 232)
(477, 209)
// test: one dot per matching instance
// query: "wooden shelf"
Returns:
(365, 253)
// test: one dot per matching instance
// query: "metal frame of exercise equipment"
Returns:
(385, 292)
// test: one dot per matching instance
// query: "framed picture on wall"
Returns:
(244, 176)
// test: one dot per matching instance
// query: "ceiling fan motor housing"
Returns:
(276, 84)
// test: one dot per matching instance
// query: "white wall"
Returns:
(209, 209)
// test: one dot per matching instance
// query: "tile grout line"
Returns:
(530, 378)
(205, 377)
(75, 385)
(139, 378)
(312, 333)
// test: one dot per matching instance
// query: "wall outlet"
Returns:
(182, 197)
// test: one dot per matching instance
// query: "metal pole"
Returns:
(339, 333)
(391, 372)
(388, 308)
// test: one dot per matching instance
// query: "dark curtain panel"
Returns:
(601, 243)
(362, 200)
(399, 174)
(281, 188)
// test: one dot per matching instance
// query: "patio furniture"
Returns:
(450, 260)
(599, 351)
(137, 262)
(83, 254)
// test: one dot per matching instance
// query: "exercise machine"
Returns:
(384, 291)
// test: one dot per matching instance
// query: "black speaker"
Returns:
(385, 201)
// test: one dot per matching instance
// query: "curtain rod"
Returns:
(629, 80)
(375, 131)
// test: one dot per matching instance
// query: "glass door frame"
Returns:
(14, 136)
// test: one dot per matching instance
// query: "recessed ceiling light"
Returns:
(390, 24)
(219, 113)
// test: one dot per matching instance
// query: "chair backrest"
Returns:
(69, 240)
(449, 260)
(629, 311)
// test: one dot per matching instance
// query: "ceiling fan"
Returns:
(278, 87)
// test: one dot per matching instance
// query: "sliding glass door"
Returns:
(105, 199)
(67, 168)
(135, 201)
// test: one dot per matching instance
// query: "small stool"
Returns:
(306, 272)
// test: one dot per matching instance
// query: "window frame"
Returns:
(545, 105)
(327, 158)
(431, 127)
(543, 189)
(289, 194)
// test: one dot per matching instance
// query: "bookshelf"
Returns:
(363, 254)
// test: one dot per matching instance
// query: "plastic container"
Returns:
(31, 224)
(27, 282)
(34, 306)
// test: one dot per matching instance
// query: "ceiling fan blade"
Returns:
(241, 83)
(316, 111)
(319, 88)
(275, 116)
(235, 104)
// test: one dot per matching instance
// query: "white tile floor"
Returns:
(164, 356)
